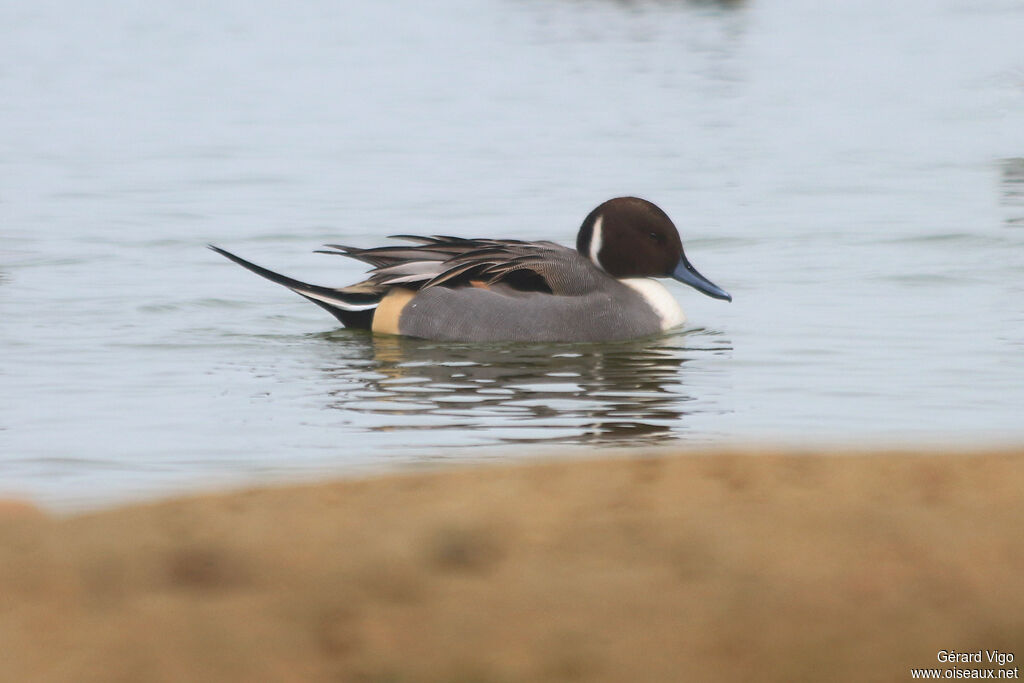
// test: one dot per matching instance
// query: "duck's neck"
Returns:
(590, 241)
(658, 298)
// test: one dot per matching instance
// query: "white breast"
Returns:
(658, 298)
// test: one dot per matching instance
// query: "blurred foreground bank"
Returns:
(717, 566)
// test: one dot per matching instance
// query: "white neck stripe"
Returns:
(595, 242)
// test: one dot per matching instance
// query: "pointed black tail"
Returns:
(352, 309)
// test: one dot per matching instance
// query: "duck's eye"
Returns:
(655, 237)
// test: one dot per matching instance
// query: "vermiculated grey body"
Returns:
(500, 314)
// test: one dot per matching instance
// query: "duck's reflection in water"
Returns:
(1011, 183)
(626, 393)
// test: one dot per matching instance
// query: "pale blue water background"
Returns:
(850, 171)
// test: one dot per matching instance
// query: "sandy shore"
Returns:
(713, 567)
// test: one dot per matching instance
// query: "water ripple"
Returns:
(604, 394)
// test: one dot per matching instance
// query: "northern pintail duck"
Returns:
(456, 289)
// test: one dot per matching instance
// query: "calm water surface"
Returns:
(852, 173)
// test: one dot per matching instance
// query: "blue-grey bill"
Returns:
(684, 272)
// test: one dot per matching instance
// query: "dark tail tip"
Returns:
(361, 318)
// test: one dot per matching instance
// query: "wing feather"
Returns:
(446, 261)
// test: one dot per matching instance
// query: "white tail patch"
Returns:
(659, 299)
(334, 301)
